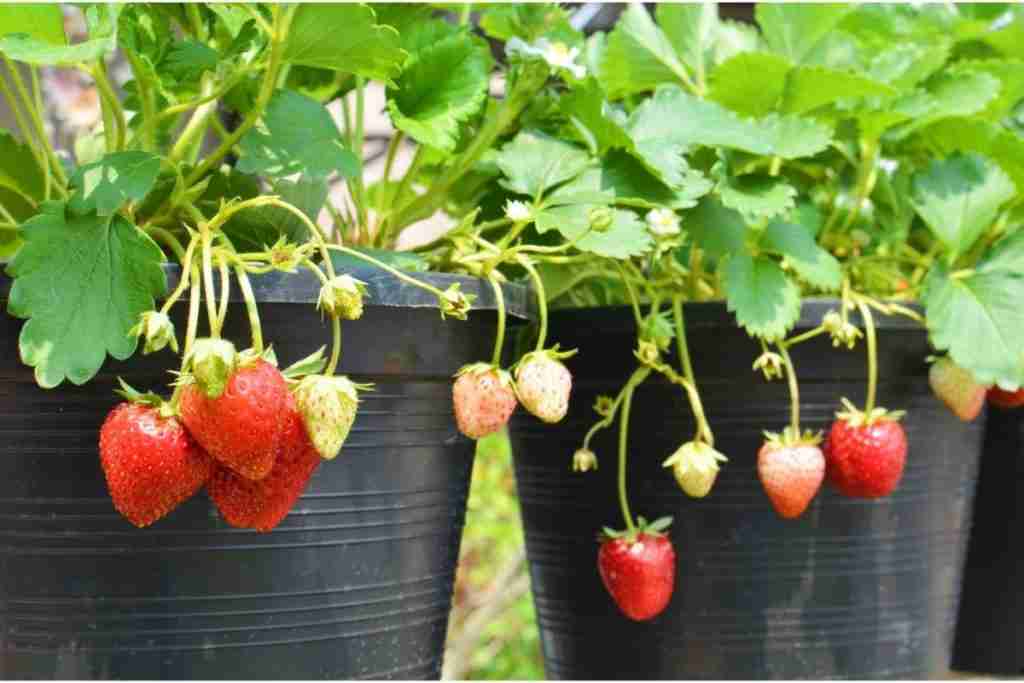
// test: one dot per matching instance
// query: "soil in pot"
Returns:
(990, 630)
(356, 582)
(854, 588)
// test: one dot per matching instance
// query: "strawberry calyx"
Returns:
(553, 353)
(312, 364)
(695, 455)
(790, 438)
(150, 399)
(504, 378)
(655, 527)
(859, 418)
(210, 364)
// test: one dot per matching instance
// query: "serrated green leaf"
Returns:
(793, 30)
(44, 22)
(811, 263)
(756, 196)
(105, 185)
(44, 48)
(765, 301)
(633, 185)
(734, 37)
(441, 86)
(907, 64)
(750, 83)
(1009, 73)
(19, 171)
(627, 236)
(717, 230)
(979, 320)
(673, 120)
(231, 17)
(256, 229)
(810, 87)
(691, 29)
(959, 197)
(298, 135)
(1009, 40)
(588, 111)
(188, 60)
(528, 22)
(1006, 255)
(533, 162)
(82, 282)
(344, 38)
(951, 95)
(638, 56)
(975, 135)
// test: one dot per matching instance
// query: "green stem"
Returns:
(869, 333)
(23, 126)
(37, 122)
(867, 176)
(467, 8)
(632, 296)
(393, 146)
(637, 377)
(6, 215)
(800, 338)
(186, 271)
(794, 391)
(542, 302)
(168, 238)
(499, 299)
(278, 35)
(403, 187)
(332, 364)
(37, 97)
(193, 312)
(225, 290)
(198, 30)
(359, 196)
(99, 74)
(211, 301)
(195, 129)
(251, 308)
(696, 405)
(385, 267)
(148, 102)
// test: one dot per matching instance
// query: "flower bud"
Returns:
(603, 405)
(212, 362)
(600, 218)
(328, 409)
(342, 297)
(647, 352)
(454, 303)
(517, 211)
(584, 460)
(770, 364)
(156, 330)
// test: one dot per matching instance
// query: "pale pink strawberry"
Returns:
(543, 385)
(484, 398)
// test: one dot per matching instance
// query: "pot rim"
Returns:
(382, 289)
(716, 314)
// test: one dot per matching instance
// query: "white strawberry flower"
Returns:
(663, 222)
(557, 54)
(517, 211)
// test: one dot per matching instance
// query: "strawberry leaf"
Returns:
(794, 30)
(795, 242)
(765, 301)
(105, 185)
(82, 282)
(533, 162)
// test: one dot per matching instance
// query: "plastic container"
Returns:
(990, 632)
(853, 589)
(356, 582)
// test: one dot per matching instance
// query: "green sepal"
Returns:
(312, 364)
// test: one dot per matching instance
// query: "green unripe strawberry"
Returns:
(957, 388)
(156, 330)
(342, 297)
(328, 407)
(695, 466)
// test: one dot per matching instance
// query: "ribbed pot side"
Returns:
(356, 582)
(990, 631)
(854, 588)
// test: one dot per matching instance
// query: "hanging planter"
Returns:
(355, 582)
(853, 588)
(990, 626)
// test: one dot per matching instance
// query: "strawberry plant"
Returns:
(217, 148)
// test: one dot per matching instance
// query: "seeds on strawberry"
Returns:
(262, 504)
(150, 462)
(865, 457)
(543, 385)
(242, 427)
(483, 398)
(639, 569)
(956, 387)
(791, 473)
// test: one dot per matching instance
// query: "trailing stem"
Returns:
(499, 299)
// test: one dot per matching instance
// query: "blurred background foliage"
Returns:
(492, 632)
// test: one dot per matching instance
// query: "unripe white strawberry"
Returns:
(695, 466)
(328, 407)
(543, 384)
(342, 297)
(484, 398)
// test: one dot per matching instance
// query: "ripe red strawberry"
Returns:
(791, 469)
(543, 384)
(956, 387)
(262, 504)
(865, 454)
(484, 399)
(1006, 399)
(639, 569)
(151, 463)
(241, 428)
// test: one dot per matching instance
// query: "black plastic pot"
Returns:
(356, 582)
(990, 632)
(854, 588)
